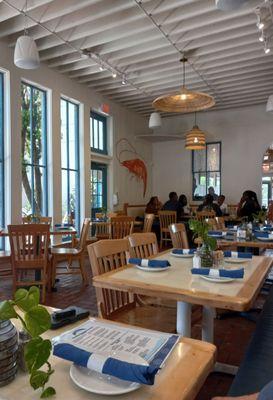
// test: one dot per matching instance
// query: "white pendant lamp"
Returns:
(26, 54)
(155, 120)
(269, 104)
(229, 5)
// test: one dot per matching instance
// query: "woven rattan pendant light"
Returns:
(184, 101)
(195, 138)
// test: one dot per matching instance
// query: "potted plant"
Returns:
(200, 231)
(35, 320)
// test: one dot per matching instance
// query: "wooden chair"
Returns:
(70, 255)
(121, 226)
(112, 214)
(143, 245)
(99, 215)
(29, 252)
(232, 209)
(102, 230)
(42, 220)
(148, 222)
(108, 255)
(217, 223)
(166, 218)
(203, 215)
(179, 236)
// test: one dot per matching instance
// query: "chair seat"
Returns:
(149, 317)
(65, 251)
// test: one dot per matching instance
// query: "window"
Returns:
(34, 150)
(98, 187)
(70, 162)
(98, 133)
(2, 153)
(206, 170)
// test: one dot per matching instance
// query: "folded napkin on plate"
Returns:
(217, 233)
(183, 251)
(144, 262)
(216, 273)
(265, 235)
(106, 365)
(237, 254)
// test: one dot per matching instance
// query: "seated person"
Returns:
(248, 205)
(265, 394)
(184, 204)
(153, 206)
(221, 203)
(173, 204)
(208, 205)
(211, 191)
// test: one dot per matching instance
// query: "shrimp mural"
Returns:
(135, 165)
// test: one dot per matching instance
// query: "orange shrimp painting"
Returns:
(135, 165)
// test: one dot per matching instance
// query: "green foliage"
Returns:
(200, 230)
(35, 320)
(260, 216)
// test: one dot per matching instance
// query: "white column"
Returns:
(208, 324)
(183, 319)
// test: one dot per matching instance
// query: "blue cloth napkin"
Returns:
(106, 365)
(143, 262)
(263, 235)
(216, 233)
(237, 254)
(216, 273)
(183, 251)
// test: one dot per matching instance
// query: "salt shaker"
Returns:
(196, 261)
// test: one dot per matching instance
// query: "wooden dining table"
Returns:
(233, 241)
(181, 377)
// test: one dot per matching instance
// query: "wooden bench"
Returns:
(134, 210)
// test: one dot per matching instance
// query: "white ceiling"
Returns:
(226, 58)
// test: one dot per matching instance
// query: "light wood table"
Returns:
(53, 232)
(180, 379)
(177, 283)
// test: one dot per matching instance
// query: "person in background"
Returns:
(248, 205)
(184, 204)
(221, 203)
(208, 205)
(173, 204)
(265, 394)
(153, 206)
(211, 191)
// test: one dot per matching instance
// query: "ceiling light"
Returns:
(266, 48)
(114, 74)
(261, 37)
(269, 105)
(260, 24)
(195, 138)
(101, 67)
(185, 100)
(155, 120)
(123, 82)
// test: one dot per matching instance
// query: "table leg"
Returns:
(208, 324)
(183, 319)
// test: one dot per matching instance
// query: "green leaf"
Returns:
(38, 379)
(37, 352)
(50, 391)
(37, 320)
(27, 299)
(7, 310)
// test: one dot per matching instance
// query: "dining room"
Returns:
(136, 206)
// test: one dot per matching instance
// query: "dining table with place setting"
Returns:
(96, 358)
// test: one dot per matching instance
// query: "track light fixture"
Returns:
(261, 37)
(260, 23)
(114, 74)
(266, 48)
(123, 82)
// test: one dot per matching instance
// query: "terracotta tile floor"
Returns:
(231, 334)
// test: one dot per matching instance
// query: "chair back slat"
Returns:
(102, 230)
(121, 226)
(148, 222)
(179, 236)
(143, 245)
(166, 218)
(203, 215)
(105, 256)
(84, 233)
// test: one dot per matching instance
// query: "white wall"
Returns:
(245, 134)
(124, 123)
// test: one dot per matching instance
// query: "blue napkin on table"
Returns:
(106, 365)
(216, 273)
(183, 251)
(144, 262)
(216, 233)
(237, 254)
(263, 235)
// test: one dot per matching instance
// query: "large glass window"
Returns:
(2, 152)
(206, 170)
(98, 133)
(70, 162)
(34, 150)
(98, 187)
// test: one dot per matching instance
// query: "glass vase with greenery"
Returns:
(200, 231)
(35, 320)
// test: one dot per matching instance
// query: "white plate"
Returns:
(263, 239)
(218, 280)
(96, 382)
(182, 255)
(234, 260)
(152, 269)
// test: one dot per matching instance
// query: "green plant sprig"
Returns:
(200, 230)
(35, 321)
